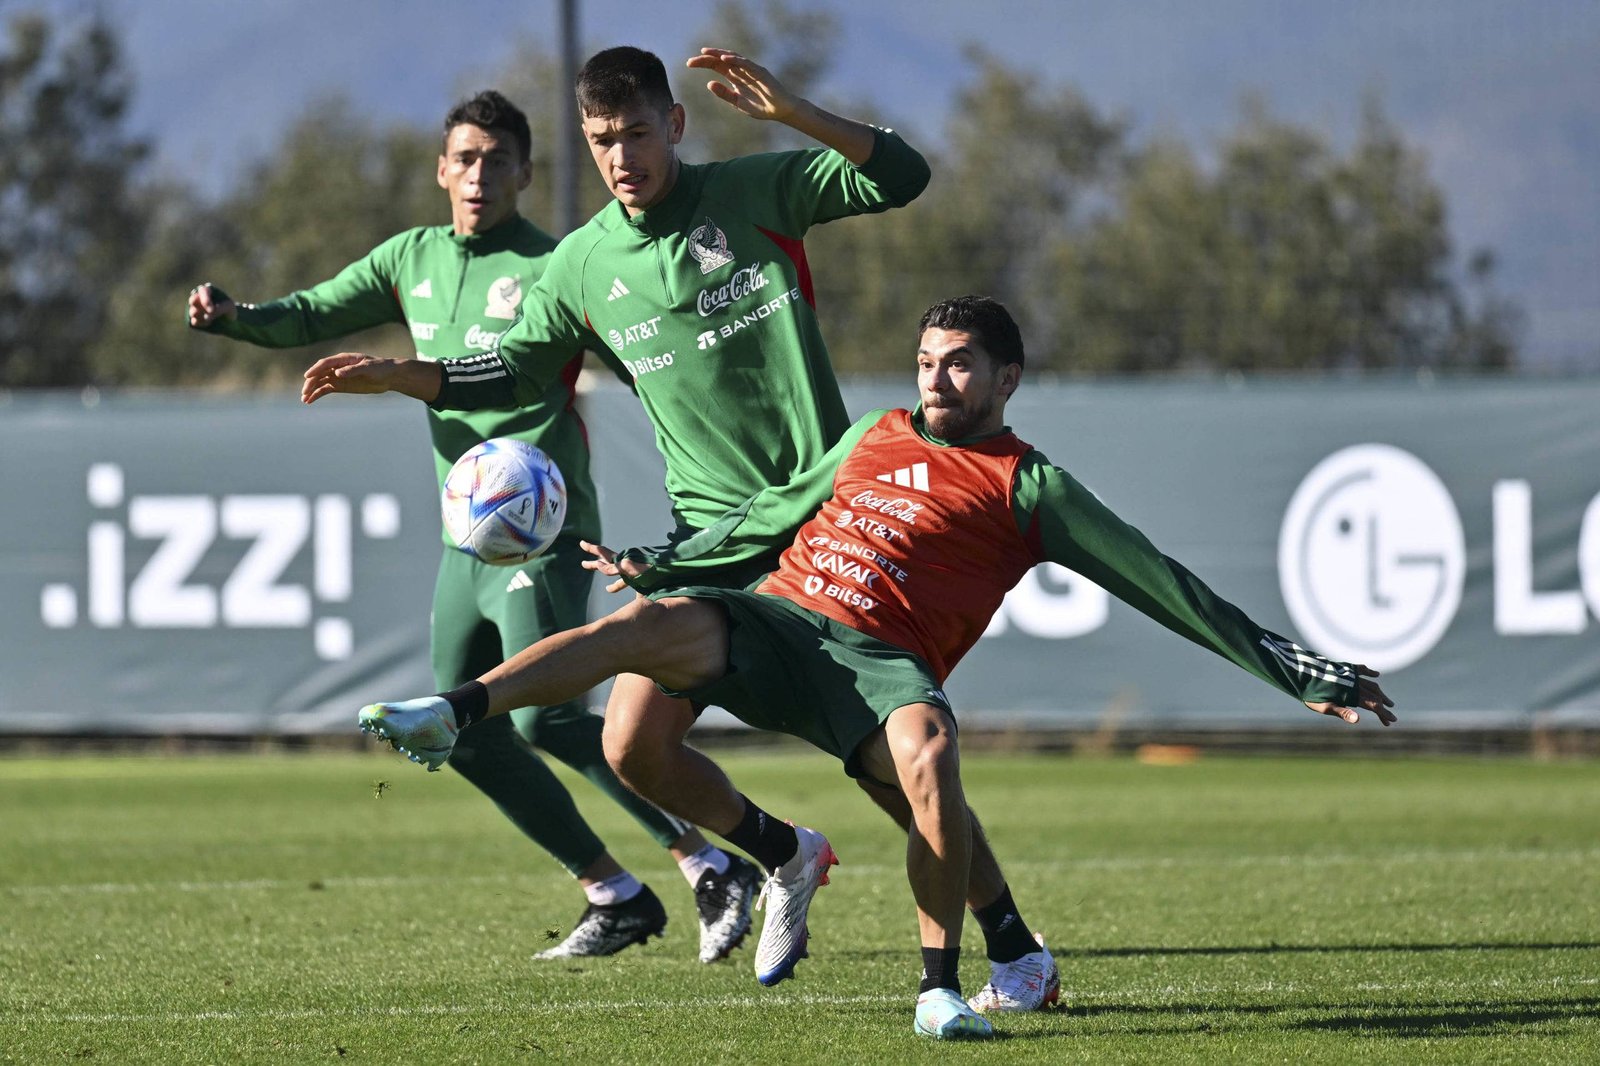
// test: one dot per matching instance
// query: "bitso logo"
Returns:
(1371, 557)
(708, 339)
(709, 246)
(813, 584)
(504, 296)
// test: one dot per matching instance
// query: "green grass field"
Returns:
(270, 909)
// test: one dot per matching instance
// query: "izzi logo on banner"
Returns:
(273, 528)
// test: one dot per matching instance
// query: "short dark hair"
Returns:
(617, 77)
(987, 320)
(491, 111)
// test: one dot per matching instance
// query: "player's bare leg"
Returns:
(917, 748)
(985, 881)
(645, 744)
(1023, 974)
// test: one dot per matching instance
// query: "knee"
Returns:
(626, 753)
(633, 749)
(929, 768)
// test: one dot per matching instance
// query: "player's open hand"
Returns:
(750, 87)
(345, 372)
(207, 303)
(606, 562)
(1369, 697)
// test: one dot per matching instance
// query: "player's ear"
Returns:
(443, 163)
(1010, 378)
(676, 122)
(524, 174)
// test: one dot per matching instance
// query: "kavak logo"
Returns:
(1371, 557)
(504, 296)
(709, 246)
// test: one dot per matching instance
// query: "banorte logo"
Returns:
(1371, 557)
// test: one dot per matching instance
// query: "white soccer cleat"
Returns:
(942, 1015)
(786, 897)
(1032, 982)
(423, 730)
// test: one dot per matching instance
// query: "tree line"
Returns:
(1270, 250)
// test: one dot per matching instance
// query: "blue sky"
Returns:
(1502, 96)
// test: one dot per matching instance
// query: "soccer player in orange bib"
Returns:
(910, 532)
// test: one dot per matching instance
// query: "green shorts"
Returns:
(794, 671)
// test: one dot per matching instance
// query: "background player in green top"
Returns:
(887, 581)
(458, 287)
(697, 279)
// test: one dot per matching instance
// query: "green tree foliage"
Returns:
(1287, 257)
(1271, 250)
(335, 188)
(69, 218)
(1019, 165)
(796, 43)
(532, 81)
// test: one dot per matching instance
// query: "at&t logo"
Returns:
(1371, 557)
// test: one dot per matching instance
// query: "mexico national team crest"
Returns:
(505, 296)
(709, 246)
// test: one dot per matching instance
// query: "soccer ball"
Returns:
(504, 501)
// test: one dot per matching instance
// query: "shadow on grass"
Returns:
(1317, 949)
(1442, 1020)
(1434, 1021)
(1455, 1019)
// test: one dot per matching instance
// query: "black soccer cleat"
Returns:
(607, 930)
(723, 902)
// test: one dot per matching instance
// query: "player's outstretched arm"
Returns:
(1369, 697)
(207, 304)
(754, 90)
(353, 372)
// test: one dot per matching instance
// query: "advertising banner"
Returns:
(182, 563)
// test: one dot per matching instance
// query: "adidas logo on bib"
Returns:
(618, 290)
(519, 581)
(914, 476)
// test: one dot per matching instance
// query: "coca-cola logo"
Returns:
(478, 337)
(744, 282)
(889, 506)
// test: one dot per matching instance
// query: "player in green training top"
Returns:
(458, 287)
(886, 583)
(697, 279)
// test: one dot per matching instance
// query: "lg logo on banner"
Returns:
(276, 527)
(1371, 559)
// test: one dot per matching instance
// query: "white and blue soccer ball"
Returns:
(504, 502)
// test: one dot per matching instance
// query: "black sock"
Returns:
(941, 969)
(768, 840)
(1006, 937)
(470, 702)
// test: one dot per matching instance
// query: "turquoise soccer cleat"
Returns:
(424, 730)
(944, 1015)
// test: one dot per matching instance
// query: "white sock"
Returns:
(709, 857)
(618, 889)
